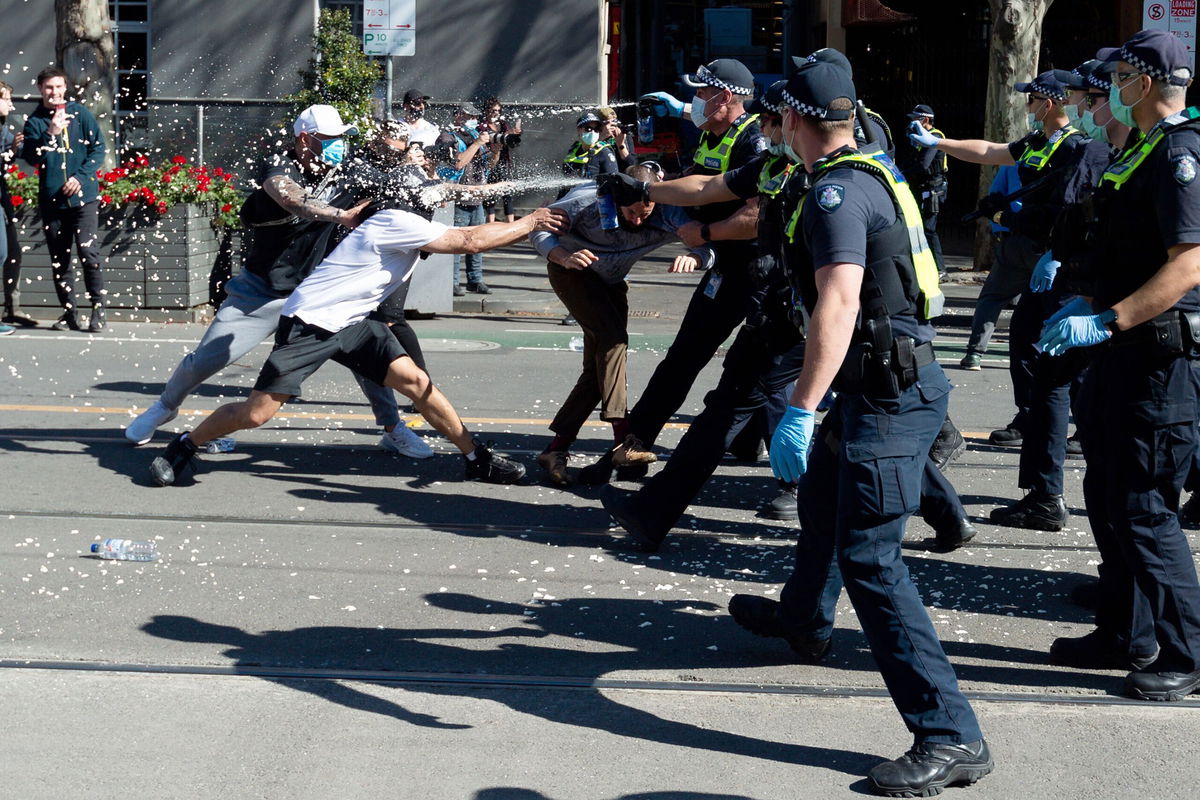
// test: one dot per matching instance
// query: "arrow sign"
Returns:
(389, 27)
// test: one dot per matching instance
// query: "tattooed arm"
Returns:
(293, 198)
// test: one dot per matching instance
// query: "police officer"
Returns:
(869, 284)
(730, 137)
(592, 153)
(1045, 160)
(925, 171)
(1141, 397)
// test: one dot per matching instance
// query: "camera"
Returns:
(507, 139)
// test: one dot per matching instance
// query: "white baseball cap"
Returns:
(322, 119)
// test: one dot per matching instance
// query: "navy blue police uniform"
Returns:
(1140, 400)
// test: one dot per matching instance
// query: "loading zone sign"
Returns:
(1176, 16)
(390, 27)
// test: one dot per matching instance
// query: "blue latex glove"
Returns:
(789, 444)
(1077, 307)
(921, 137)
(1076, 332)
(665, 105)
(1043, 274)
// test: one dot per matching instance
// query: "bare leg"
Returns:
(414, 383)
(250, 413)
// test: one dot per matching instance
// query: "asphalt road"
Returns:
(327, 620)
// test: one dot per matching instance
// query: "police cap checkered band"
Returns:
(1154, 53)
(724, 73)
(1048, 83)
(1097, 81)
(815, 87)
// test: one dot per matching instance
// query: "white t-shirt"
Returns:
(369, 264)
(422, 132)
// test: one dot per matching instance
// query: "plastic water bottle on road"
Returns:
(576, 344)
(126, 550)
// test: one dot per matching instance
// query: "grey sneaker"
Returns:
(141, 430)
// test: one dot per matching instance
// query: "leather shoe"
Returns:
(929, 767)
(784, 506)
(641, 535)
(1036, 511)
(948, 446)
(1097, 650)
(1007, 436)
(954, 536)
(760, 616)
(555, 464)
(632, 451)
(1163, 686)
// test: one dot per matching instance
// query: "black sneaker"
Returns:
(97, 321)
(1166, 687)
(69, 321)
(1074, 448)
(492, 467)
(478, 288)
(642, 536)
(948, 446)
(784, 506)
(179, 457)
(760, 616)
(1007, 436)
(1036, 511)
(928, 768)
(1097, 650)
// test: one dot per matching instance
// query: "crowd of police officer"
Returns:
(835, 303)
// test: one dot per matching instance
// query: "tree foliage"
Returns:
(339, 73)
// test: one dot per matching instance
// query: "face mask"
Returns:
(1094, 131)
(1036, 125)
(777, 149)
(416, 113)
(589, 138)
(1072, 112)
(698, 117)
(333, 151)
(1120, 111)
(792, 154)
(471, 125)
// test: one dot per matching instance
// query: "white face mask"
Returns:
(698, 117)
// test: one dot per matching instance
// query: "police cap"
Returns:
(920, 110)
(815, 86)
(1049, 83)
(826, 55)
(1153, 53)
(587, 118)
(1085, 77)
(724, 73)
(770, 102)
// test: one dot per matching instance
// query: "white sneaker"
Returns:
(405, 441)
(141, 430)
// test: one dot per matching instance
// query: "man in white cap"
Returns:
(294, 216)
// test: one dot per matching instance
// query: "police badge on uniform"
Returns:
(830, 197)
(1185, 169)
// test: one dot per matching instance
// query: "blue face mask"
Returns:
(792, 154)
(1094, 131)
(1072, 112)
(1121, 112)
(777, 149)
(472, 125)
(333, 151)
(589, 138)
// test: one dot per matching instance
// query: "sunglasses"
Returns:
(1033, 98)
(1121, 77)
(1092, 100)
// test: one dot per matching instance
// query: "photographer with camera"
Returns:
(463, 156)
(506, 136)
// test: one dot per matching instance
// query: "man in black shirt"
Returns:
(925, 171)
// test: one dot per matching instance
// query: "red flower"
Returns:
(165, 178)
(175, 169)
(12, 168)
(106, 199)
(17, 200)
(178, 160)
(218, 171)
(142, 161)
(20, 175)
(225, 209)
(228, 176)
(132, 196)
(162, 207)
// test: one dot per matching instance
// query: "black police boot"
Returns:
(1167, 687)
(1086, 594)
(598, 473)
(642, 535)
(179, 457)
(491, 467)
(1189, 514)
(1008, 436)
(1036, 511)
(928, 768)
(1097, 650)
(784, 506)
(1074, 448)
(97, 321)
(954, 536)
(760, 616)
(948, 446)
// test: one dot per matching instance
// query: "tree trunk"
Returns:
(84, 45)
(1012, 57)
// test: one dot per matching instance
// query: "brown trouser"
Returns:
(602, 311)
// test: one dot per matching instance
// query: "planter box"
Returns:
(156, 267)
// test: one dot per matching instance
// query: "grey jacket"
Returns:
(617, 250)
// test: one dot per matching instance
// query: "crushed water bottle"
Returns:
(222, 444)
(609, 219)
(576, 344)
(126, 550)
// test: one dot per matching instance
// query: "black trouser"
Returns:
(63, 226)
(941, 507)
(12, 264)
(935, 241)
(707, 323)
(1024, 331)
(762, 362)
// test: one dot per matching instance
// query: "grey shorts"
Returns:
(366, 347)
